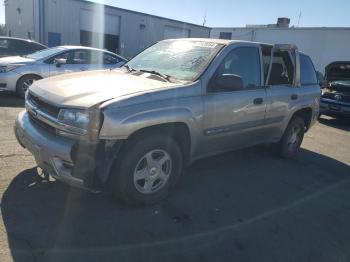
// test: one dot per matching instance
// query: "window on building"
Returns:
(307, 71)
(225, 35)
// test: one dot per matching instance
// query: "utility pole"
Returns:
(205, 17)
(299, 18)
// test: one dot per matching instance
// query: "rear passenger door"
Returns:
(282, 89)
(235, 118)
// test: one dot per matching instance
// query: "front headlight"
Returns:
(8, 68)
(74, 118)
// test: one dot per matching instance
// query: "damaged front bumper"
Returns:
(77, 163)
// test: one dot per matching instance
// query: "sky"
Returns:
(238, 13)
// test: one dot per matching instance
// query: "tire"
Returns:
(134, 178)
(23, 84)
(292, 138)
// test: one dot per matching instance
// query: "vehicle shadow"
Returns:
(339, 123)
(201, 221)
(10, 100)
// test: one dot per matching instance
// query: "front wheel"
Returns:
(292, 138)
(24, 83)
(148, 168)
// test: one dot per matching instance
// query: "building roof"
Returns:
(284, 28)
(140, 13)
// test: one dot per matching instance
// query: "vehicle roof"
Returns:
(220, 41)
(339, 63)
(22, 39)
(72, 47)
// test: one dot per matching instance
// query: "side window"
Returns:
(282, 70)
(4, 43)
(109, 59)
(32, 47)
(3, 47)
(80, 57)
(307, 71)
(244, 62)
(266, 60)
(21, 47)
(65, 55)
(98, 57)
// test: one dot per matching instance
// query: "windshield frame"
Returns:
(206, 65)
(58, 49)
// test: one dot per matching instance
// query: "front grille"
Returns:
(41, 124)
(43, 106)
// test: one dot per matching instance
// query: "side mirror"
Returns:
(227, 82)
(320, 79)
(60, 61)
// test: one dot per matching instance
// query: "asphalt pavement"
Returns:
(247, 205)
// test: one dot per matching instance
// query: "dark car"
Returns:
(10, 46)
(335, 100)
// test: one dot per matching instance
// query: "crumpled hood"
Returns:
(340, 86)
(15, 60)
(90, 88)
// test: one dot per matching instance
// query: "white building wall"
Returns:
(324, 45)
(136, 30)
(63, 17)
(21, 18)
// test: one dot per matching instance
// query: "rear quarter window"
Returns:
(307, 71)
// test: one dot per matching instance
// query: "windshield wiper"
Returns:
(153, 72)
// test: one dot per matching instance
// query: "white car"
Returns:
(17, 73)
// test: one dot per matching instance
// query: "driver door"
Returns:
(235, 118)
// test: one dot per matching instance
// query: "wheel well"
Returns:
(306, 114)
(178, 131)
(26, 76)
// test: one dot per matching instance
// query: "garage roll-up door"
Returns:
(175, 32)
(94, 21)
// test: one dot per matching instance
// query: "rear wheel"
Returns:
(24, 83)
(292, 138)
(148, 169)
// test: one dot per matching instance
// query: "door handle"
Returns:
(294, 97)
(258, 101)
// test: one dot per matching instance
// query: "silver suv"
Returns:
(135, 128)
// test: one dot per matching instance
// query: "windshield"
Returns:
(181, 59)
(45, 53)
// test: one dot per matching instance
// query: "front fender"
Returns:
(120, 123)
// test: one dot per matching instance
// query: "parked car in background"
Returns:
(10, 46)
(17, 73)
(178, 101)
(335, 100)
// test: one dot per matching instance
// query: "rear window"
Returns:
(307, 71)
